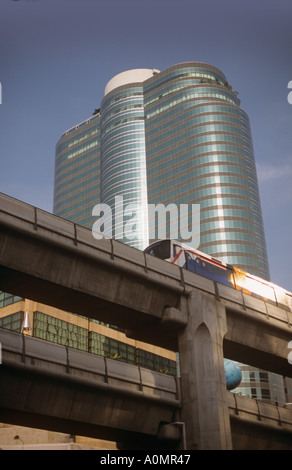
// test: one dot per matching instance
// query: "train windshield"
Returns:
(159, 249)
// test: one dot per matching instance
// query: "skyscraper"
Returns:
(199, 150)
(177, 136)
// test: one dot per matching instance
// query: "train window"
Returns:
(181, 259)
(160, 249)
(176, 250)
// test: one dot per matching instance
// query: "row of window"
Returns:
(66, 167)
(118, 96)
(8, 299)
(255, 376)
(122, 121)
(85, 148)
(65, 144)
(206, 110)
(130, 163)
(123, 149)
(199, 151)
(252, 392)
(218, 182)
(72, 205)
(72, 193)
(125, 133)
(90, 178)
(212, 202)
(83, 137)
(84, 123)
(220, 173)
(68, 334)
(221, 191)
(174, 74)
(122, 117)
(189, 79)
(228, 225)
(191, 128)
(196, 117)
(12, 322)
(169, 90)
(137, 172)
(203, 94)
(129, 185)
(136, 157)
(74, 174)
(234, 213)
(121, 110)
(200, 164)
(177, 144)
(135, 133)
(231, 248)
(217, 237)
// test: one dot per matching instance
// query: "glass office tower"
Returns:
(199, 150)
(177, 136)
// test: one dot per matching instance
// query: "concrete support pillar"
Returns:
(204, 406)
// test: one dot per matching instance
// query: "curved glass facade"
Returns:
(177, 136)
(77, 172)
(123, 163)
(199, 151)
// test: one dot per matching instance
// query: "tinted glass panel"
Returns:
(160, 249)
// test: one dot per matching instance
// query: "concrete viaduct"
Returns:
(55, 262)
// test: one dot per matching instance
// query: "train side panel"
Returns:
(193, 262)
(231, 276)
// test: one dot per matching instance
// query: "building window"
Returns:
(252, 376)
(111, 348)
(264, 377)
(265, 394)
(8, 299)
(12, 322)
(59, 331)
(155, 362)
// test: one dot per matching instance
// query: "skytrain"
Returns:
(200, 263)
(214, 269)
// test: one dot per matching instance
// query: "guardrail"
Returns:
(257, 412)
(44, 224)
(36, 355)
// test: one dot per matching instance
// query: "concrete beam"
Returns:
(105, 280)
(259, 339)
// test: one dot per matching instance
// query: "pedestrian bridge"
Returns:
(56, 262)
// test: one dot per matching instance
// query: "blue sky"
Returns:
(56, 57)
